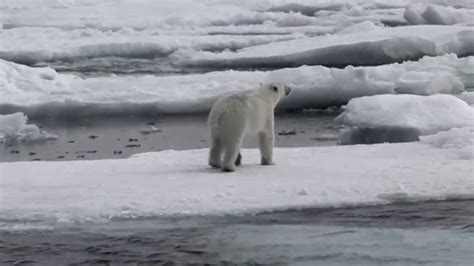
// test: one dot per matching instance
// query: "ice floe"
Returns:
(382, 118)
(42, 90)
(380, 46)
(180, 183)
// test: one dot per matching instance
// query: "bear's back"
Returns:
(230, 106)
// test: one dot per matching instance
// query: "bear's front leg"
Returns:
(266, 140)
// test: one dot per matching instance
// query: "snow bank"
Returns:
(381, 46)
(14, 127)
(180, 183)
(459, 140)
(435, 14)
(43, 91)
(404, 114)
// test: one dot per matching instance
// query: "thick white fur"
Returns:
(235, 116)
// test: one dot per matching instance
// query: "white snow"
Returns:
(14, 127)
(426, 114)
(435, 14)
(180, 183)
(44, 90)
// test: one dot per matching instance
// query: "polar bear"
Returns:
(233, 117)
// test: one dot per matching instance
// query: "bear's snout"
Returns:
(287, 90)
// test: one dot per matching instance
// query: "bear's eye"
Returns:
(274, 88)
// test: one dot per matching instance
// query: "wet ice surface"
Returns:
(120, 137)
(433, 233)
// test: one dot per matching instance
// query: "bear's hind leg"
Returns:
(231, 153)
(238, 161)
(215, 153)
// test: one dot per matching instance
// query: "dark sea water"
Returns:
(119, 137)
(423, 233)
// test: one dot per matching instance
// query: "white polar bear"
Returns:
(233, 117)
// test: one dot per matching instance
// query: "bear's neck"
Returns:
(265, 96)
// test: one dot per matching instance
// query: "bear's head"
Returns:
(275, 91)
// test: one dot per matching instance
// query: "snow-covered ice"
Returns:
(380, 46)
(180, 182)
(43, 90)
(15, 127)
(401, 118)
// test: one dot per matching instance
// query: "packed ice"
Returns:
(15, 128)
